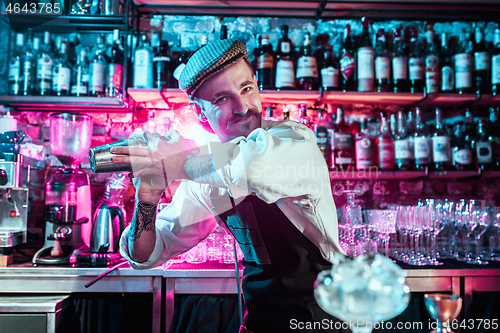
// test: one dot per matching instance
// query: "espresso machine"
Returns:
(68, 204)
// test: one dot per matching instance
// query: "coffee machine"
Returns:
(68, 204)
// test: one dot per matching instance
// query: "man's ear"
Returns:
(255, 79)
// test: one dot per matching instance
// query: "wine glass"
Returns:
(480, 220)
(494, 234)
(443, 308)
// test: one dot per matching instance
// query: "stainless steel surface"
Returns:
(100, 156)
(13, 216)
(107, 226)
(21, 304)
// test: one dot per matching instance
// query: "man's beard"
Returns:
(252, 112)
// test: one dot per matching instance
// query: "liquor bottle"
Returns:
(441, 148)
(347, 63)
(307, 69)
(410, 129)
(223, 32)
(45, 64)
(15, 66)
(143, 65)
(270, 114)
(415, 64)
(286, 114)
(342, 144)
(61, 74)
(114, 77)
(365, 148)
(495, 135)
(329, 70)
(385, 147)
(303, 117)
(162, 66)
(483, 146)
(204, 42)
(285, 72)
(431, 64)
(399, 64)
(382, 63)
(463, 66)
(179, 67)
(97, 68)
(482, 64)
(402, 149)
(321, 129)
(446, 64)
(394, 125)
(80, 86)
(462, 150)
(265, 65)
(470, 128)
(365, 59)
(421, 147)
(495, 64)
(29, 65)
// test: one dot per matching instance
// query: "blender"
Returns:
(68, 204)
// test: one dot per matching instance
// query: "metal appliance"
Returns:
(68, 204)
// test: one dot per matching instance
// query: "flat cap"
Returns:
(209, 60)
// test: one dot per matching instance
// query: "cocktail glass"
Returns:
(443, 308)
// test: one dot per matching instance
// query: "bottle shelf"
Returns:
(409, 175)
(67, 103)
(68, 23)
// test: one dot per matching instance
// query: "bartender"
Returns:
(267, 184)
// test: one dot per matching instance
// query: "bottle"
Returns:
(410, 129)
(45, 65)
(323, 136)
(143, 65)
(483, 146)
(80, 86)
(270, 114)
(61, 74)
(114, 77)
(29, 65)
(365, 148)
(482, 64)
(382, 63)
(180, 64)
(15, 66)
(394, 125)
(285, 72)
(463, 67)
(286, 114)
(97, 70)
(162, 66)
(461, 148)
(495, 64)
(303, 117)
(441, 148)
(446, 64)
(265, 65)
(415, 64)
(470, 128)
(432, 81)
(402, 149)
(347, 63)
(365, 59)
(399, 64)
(307, 69)
(421, 147)
(385, 147)
(342, 144)
(495, 135)
(329, 71)
(223, 32)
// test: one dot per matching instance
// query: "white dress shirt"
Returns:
(279, 162)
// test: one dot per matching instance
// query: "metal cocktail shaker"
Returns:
(100, 156)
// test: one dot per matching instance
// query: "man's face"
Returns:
(231, 102)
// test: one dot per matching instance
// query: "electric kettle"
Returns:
(108, 224)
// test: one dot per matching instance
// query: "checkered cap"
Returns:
(209, 60)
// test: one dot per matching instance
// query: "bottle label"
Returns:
(44, 70)
(330, 77)
(96, 77)
(306, 67)
(431, 61)
(365, 154)
(482, 61)
(285, 74)
(265, 61)
(61, 78)
(416, 68)
(422, 150)
(386, 156)
(432, 82)
(343, 160)
(399, 68)
(441, 149)
(142, 69)
(14, 69)
(79, 89)
(402, 149)
(342, 140)
(483, 152)
(463, 67)
(115, 74)
(447, 79)
(346, 65)
(285, 47)
(383, 68)
(365, 63)
(462, 156)
(495, 69)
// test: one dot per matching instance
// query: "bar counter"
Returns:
(169, 280)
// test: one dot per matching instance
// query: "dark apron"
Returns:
(280, 267)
